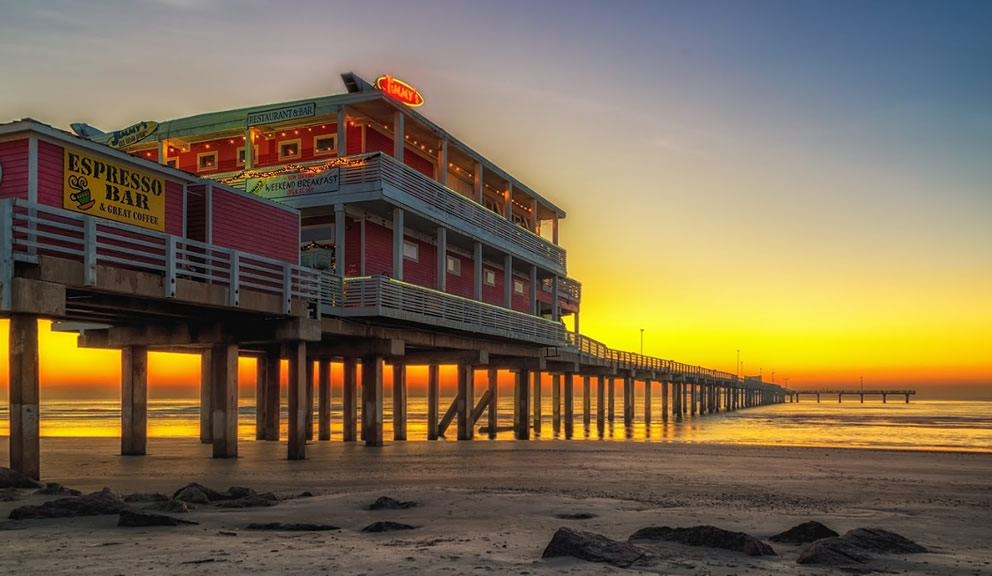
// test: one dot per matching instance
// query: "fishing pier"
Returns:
(793, 395)
(406, 249)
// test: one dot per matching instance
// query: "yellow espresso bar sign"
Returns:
(100, 188)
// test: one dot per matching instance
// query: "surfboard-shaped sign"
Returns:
(132, 134)
(400, 90)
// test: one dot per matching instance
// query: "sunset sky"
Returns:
(807, 182)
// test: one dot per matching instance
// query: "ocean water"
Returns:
(919, 425)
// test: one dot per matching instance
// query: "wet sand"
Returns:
(490, 507)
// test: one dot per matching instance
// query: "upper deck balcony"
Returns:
(379, 177)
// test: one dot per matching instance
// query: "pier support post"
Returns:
(399, 402)
(296, 355)
(372, 399)
(884, 401)
(224, 400)
(628, 401)
(677, 399)
(600, 403)
(556, 403)
(521, 405)
(569, 405)
(25, 443)
(610, 402)
(324, 399)
(586, 402)
(433, 400)
(647, 402)
(694, 398)
(537, 403)
(134, 400)
(272, 400)
(664, 400)
(493, 374)
(309, 405)
(349, 398)
(206, 414)
(465, 401)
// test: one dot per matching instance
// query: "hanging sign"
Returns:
(400, 90)
(132, 134)
(283, 185)
(100, 188)
(282, 114)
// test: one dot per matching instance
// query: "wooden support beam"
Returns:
(484, 403)
(601, 401)
(611, 403)
(493, 391)
(569, 404)
(358, 348)
(349, 394)
(664, 400)
(324, 399)
(521, 405)
(206, 383)
(372, 399)
(647, 402)
(586, 401)
(443, 357)
(449, 416)
(537, 404)
(520, 363)
(25, 443)
(298, 365)
(628, 401)
(224, 400)
(272, 416)
(309, 405)
(433, 398)
(465, 400)
(399, 402)
(556, 403)
(134, 400)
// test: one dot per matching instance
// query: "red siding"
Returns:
(354, 140)
(378, 142)
(521, 302)
(173, 208)
(241, 223)
(423, 271)
(14, 159)
(493, 294)
(353, 247)
(51, 179)
(418, 163)
(196, 214)
(378, 250)
(462, 285)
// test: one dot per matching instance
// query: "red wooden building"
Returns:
(401, 211)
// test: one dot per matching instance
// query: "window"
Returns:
(241, 155)
(411, 251)
(206, 161)
(172, 162)
(454, 266)
(289, 149)
(518, 286)
(326, 144)
(489, 277)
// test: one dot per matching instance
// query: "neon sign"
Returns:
(400, 90)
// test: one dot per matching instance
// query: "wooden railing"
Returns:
(594, 349)
(568, 288)
(386, 297)
(28, 230)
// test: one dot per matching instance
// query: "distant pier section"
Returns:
(793, 395)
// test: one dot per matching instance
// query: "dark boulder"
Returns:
(832, 552)
(708, 536)
(298, 527)
(103, 502)
(200, 494)
(387, 503)
(251, 501)
(386, 527)
(592, 547)
(235, 492)
(144, 497)
(14, 479)
(56, 489)
(172, 506)
(856, 547)
(878, 540)
(134, 519)
(804, 533)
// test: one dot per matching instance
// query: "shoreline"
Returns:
(477, 497)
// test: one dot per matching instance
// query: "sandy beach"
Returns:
(491, 507)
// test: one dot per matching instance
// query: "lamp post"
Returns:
(642, 341)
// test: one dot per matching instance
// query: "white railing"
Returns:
(382, 296)
(567, 288)
(35, 229)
